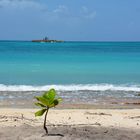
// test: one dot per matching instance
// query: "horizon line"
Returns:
(76, 40)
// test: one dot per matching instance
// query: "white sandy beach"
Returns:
(74, 124)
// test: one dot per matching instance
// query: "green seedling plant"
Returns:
(48, 100)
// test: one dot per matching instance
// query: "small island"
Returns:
(46, 39)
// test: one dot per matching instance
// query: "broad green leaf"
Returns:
(48, 99)
(55, 102)
(40, 112)
(45, 95)
(51, 105)
(39, 104)
(50, 95)
(43, 100)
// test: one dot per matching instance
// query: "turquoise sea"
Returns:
(81, 69)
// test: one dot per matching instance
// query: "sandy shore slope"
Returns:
(78, 124)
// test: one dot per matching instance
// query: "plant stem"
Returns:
(45, 121)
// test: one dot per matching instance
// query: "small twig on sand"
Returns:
(136, 117)
(88, 113)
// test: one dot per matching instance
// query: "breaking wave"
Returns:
(79, 87)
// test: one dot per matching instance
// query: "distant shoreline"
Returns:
(73, 41)
(48, 41)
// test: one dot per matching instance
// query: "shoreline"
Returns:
(22, 104)
(106, 124)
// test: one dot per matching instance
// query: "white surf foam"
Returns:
(92, 87)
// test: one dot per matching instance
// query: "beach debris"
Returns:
(114, 102)
(133, 103)
(85, 129)
(22, 117)
(5, 118)
(89, 113)
(97, 124)
(106, 131)
(4, 121)
(47, 101)
(136, 117)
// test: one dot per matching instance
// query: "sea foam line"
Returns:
(92, 87)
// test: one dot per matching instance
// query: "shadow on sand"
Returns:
(68, 132)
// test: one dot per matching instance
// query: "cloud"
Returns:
(60, 9)
(66, 13)
(88, 14)
(42, 14)
(20, 4)
(59, 13)
(84, 9)
(91, 15)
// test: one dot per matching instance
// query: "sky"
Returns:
(70, 20)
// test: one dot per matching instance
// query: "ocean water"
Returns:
(80, 69)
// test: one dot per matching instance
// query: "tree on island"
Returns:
(46, 38)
